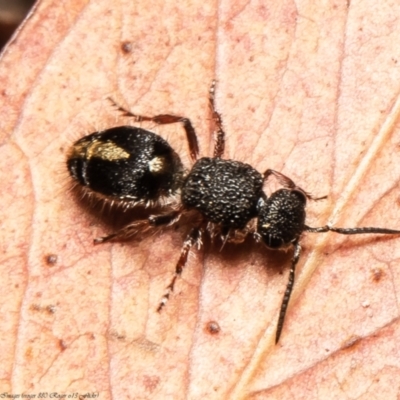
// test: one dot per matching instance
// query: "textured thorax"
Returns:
(226, 192)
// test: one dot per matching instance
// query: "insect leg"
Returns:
(288, 183)
(219, 145)
(288, 291)
(142, 226)
(192, 238)
(164, 119)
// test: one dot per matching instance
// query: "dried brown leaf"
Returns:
(310, 89)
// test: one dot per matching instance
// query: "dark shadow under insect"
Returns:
(130, 166)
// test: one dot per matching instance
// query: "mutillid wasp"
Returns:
(225, 198)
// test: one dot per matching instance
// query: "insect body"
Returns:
(131, 165)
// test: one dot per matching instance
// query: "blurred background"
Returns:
(12, 13)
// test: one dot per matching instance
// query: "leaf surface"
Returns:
(310, 89)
